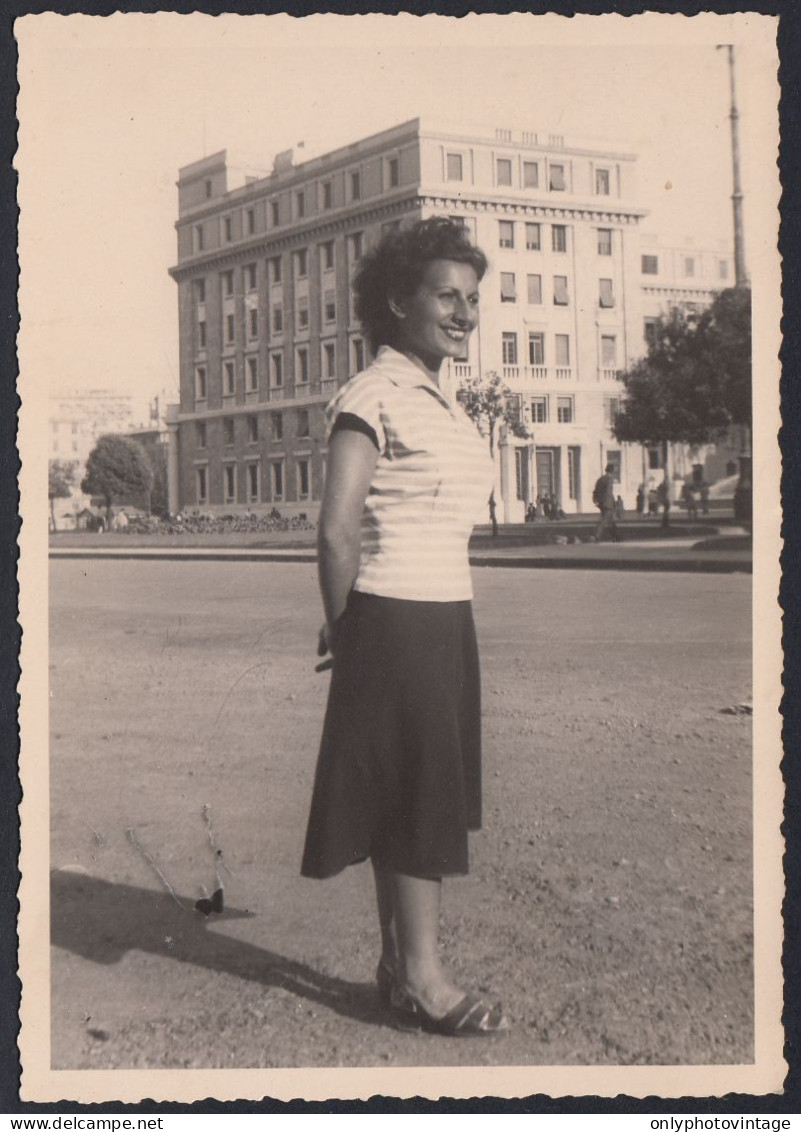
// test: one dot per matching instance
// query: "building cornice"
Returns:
(563, 211)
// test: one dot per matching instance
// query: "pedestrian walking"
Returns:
(398, 774)
(603, 496)
(640, 504)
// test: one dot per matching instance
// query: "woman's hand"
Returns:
(324, 645)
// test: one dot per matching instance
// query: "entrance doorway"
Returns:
(545, 472)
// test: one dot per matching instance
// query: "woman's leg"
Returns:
(386, 916)
(415, 904)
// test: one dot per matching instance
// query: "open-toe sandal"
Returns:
(472, 1017)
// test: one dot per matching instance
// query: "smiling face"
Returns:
(436, 321)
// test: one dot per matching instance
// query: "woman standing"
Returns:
(399, 772)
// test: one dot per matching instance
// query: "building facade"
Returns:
(268, 333)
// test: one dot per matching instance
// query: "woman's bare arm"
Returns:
(352, 459)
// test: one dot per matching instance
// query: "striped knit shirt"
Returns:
(431, 484)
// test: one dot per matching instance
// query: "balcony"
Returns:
(564, 373)
(511, 373)
(329, 385)
(608, 373)
(277, 393)
(537, 373)
(462, 370)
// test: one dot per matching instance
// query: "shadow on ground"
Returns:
(101, 922)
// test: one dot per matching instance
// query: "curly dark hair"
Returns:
(395, 267)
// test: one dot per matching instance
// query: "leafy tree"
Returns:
(118, 467)
(60, 478)
(489, 403)
(695, 381)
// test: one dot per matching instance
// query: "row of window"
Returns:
(526, 174)
(274, 265)
(533, 237)
(289, 209)
(302, 372)
(649, 265)
(561, 298)
(253, 482)
(252, 428)
(561, 344)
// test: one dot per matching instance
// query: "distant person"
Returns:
(122, 521)
(653, 502)
(619, 508)
(603, 496)
(399, 769)
(688, 501)
(703, 489)
(531, 513)
(663, 501)
(640, 502)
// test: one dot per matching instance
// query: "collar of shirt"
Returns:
(406, 375)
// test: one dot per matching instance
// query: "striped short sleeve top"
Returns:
(431, 484)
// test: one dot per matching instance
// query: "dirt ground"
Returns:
(609, 902)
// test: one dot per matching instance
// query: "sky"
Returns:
(111, 107)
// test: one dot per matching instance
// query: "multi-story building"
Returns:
(267, 328)
(78, 419)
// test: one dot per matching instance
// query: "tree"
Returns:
(695, 381)
(118, 467)
(489, 403)
(60, 478)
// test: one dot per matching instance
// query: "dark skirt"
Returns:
(399, 772)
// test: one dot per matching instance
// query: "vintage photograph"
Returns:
(401, 657)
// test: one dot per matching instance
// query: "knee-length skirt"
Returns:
(399, 770)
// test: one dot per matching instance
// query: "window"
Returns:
(556, 178)
(199, 238)
(303, 312)
(560, 296)
(329, 360)
(604, 241)
(253, 323)
(250, 277)
(228, 431)
(228, 229)
(534, 285)
(330, 306)
(200, 291)
(328, 195)
(536, 348)
(201, 334)
(562, 344)
(454, 165)
(611, 410)
(532, 237)
(250, 221)
(564, 410)
(303, 478)
(301, 263)
(278, 319)
(227, 283)
(573, 464)
(531, 175)
(356, 245)
(201, 482)
(275, 213)
(559, 237)
(253, 483)
(303, 367)
(228, 379)
(300, 205)
(229, 328)
(608, 350)
(689, 266)
(208, 189)
(277, 426)
(539, 410)
(229, 482)
(275, 269)
(278, 479)
(253, 428)
(303, 422)
(503, 171)
(723, 269)
(655, 461)
(649, 264)
(508, 289)
(200, 383)
(602, 182)
(649, 330)
(277, 375)
(355, 186)
(506, 234)
(327, 255)
(358, 355)
(252, 371)
(613, 458)
(509, 348)
(201, 434)
(606, 295)
(393, 172)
